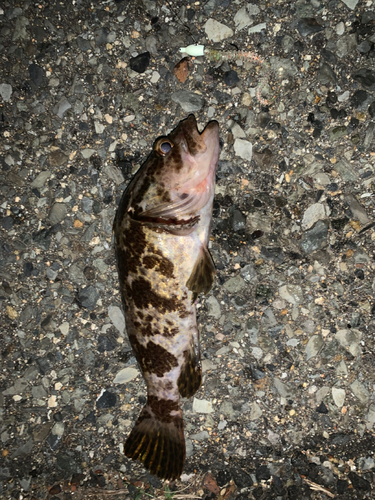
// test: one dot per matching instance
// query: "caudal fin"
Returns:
(157, 439)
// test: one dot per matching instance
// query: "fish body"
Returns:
(161, 234)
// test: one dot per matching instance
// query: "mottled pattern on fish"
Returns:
(161, 235)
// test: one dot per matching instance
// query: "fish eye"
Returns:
(163, 146)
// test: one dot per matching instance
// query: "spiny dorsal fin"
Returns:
(203, 274)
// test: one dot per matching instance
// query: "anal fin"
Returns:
(203, 274)
(190, 377)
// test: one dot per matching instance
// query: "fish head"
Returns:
(178, 179)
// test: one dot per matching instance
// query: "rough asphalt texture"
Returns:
(287, 407)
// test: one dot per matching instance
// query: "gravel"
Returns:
(287, 405)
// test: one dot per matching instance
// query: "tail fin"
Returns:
(157, 439)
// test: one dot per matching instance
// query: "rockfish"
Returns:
(161, 231)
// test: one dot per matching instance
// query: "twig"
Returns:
(317, 487)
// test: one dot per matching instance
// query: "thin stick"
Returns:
(317, 487)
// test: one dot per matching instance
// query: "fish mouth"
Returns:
(199, 152)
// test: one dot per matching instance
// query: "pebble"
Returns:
(216, 32)
(117, 317)
(88, 297)
(58, 213)
(189, 101)
(243, 149)
(6, 91)
(338, 396)
(202, 406)
(126, 375)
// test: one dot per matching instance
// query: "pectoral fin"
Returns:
(203, 274)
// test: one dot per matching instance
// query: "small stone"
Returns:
(106, 400)
(37, 74)
(314, 213)
(315, 238)
(231, 78)
(366, 77)
(360, 391)
(200, 436)
(64, 328)
(58, 213)
(351, 4)
(52, 403)
(292, 293)
(140, 63)
(313, 346)
(255, 411)
(338, 396)
(189, 101)
(235, 284)
(88, 297)
(62, 106)
(182, 69)
(202, 406)
(126, 375)
(358, 482)
(11, 312)
(322, 408)
(41, 179)
(308, 26)
(117, 317)
(5, 91)
(213, 306)
(217, 31)
(243, 149)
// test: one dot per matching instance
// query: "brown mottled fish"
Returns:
(161, 233)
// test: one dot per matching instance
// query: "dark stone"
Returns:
(262, 472)
(238, 220)
(353, 124)
(106, 343)
(273, 253)
(37, 74)
(66, 463)
(88, 297)
(308, 25)
(91, 417)
(329, 56)
(223, 477)
(365, 77)
(28, 269)
(322, 408)
(140, 62)
(42, 239)
(100, 37)
(241, 478)
(331, 98)
(89, 273)
(53, 441)
(106, 400)
(222, 97)
(371, 109)
(359, 98)
(7, 222)
(44, 365)
(358, 482)
(341, 486)
(360, 274)
(231, 78)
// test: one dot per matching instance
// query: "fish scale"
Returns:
(161, 234)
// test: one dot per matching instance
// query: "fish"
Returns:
(161, 234)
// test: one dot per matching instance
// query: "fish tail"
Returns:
(157, 438)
